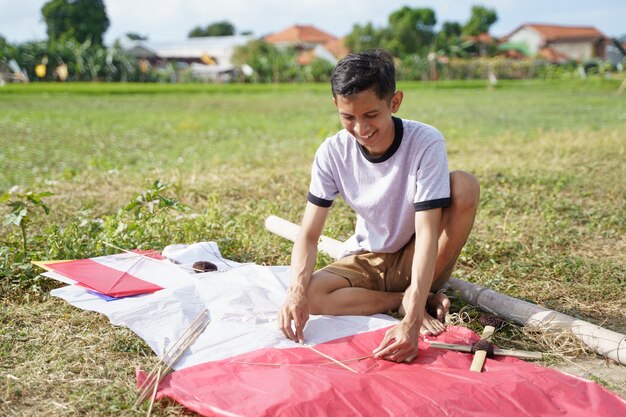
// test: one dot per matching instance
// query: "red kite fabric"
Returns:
(95, 274)
(243, 366)
(303, 382)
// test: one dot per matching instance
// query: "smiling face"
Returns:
(368, 118)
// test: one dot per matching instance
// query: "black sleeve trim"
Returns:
(432, 204)
(319, 201)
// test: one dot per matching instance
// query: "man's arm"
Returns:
(303, 260)
(400, 342)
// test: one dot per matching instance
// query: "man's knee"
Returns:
(322, 284)
(464, 191)
(317, 303)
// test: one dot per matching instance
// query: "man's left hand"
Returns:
(399, 343)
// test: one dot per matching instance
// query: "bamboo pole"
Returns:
(521, 354)
(606, 342)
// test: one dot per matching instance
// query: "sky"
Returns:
(171, 20)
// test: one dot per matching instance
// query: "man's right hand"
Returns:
(296, 310)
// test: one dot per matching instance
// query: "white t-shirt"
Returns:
(384, 191)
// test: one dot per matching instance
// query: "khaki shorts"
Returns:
(390, 272)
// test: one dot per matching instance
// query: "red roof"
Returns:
(553, 33)
(553, 56)
(300, 34)
(337, 47)
(484, 37)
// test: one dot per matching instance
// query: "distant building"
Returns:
(310, 42)
(304, 37)
(560, 43)
(209, 57)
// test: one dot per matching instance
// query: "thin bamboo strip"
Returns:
(171, 349)
(166, 366)
(332, 359)
(333, 362)
(172, 355)
(153, 396)
(163, 370)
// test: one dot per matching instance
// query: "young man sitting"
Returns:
(413, 216)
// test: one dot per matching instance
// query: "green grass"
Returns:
(550, 229)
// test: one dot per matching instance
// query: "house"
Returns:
(310, 42)
(330, 51)
(558, 43)
(208, 57)
(303, 37)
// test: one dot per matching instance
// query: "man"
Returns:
(413, 216)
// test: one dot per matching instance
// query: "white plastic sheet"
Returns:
(242, 301)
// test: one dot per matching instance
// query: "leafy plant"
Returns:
(22, 205)
(152, 201)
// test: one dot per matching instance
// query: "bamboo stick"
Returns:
(161, 371)
(521, 354)
(173, 354)
(343, 365)
(607, 343)
(154, 393)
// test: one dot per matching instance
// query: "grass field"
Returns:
(550, 229)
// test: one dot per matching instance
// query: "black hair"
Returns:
(363, 71)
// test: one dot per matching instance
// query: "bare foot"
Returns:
(438, 305)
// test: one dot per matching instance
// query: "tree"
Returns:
(80, 20)
(410, 31)
(480, 21)
(270, 63)
(448, 41)
(449, 30)
(363, 38)
(223, 28)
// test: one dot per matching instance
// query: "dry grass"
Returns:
(63, 362)
(556, 343)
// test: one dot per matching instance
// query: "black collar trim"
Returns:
(397, 140)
